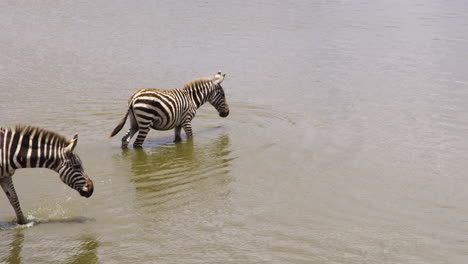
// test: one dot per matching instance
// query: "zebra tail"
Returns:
(120, 125)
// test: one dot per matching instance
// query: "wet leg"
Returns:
(177, 133)
(188, 129)
(133, 129)
(9, 189)
(142, 133)
(128, 136)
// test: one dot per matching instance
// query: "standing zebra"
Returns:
(168, 109)
(33, 147)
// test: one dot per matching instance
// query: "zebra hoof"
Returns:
(21, 221)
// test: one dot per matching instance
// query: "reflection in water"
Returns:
(180, 172)
(15, 248)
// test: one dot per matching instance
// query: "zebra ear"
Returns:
(219, 78)
(72, 144)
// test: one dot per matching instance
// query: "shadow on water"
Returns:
(85, 251)
(180, 172)
(5, 225)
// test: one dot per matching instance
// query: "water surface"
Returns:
(346, 140)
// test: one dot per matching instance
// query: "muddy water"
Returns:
(346, 141)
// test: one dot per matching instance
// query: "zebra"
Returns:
(33, 147)
(168, 109)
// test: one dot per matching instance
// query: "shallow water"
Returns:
(346, 140)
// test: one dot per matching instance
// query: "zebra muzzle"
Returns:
(88, 189)
(224, 114)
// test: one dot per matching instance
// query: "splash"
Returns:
(31, 221)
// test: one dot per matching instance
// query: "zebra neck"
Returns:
(49, 161)
(200, 94)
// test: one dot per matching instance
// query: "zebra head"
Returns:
(218, 98)
(72, 173)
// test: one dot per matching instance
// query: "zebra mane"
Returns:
(29, 130)
(197, 82)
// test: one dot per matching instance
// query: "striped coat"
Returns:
(171, 109)
(33, 147)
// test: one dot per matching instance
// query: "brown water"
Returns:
(346, 142)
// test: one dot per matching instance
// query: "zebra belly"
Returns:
(156, 121)
(157, 112)
(157, 125)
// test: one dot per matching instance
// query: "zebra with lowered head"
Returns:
(168, 109)
(33, 147)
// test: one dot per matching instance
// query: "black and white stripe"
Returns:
(33, 147)
(168, 109)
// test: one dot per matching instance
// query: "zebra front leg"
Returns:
(142, 133)
(177, 133)
(9, 189)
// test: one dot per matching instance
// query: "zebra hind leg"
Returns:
(9, 189)
(128, 136)
(142, 133)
